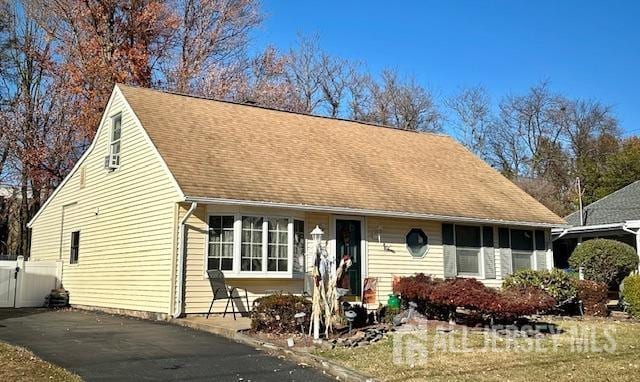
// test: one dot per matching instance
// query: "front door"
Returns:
(348, 243)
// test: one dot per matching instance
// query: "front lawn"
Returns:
(18, 364)
(593, 349)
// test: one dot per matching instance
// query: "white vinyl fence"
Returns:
(26, 283)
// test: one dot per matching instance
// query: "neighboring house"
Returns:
(616, 216)
(246, 185)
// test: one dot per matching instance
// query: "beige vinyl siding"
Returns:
(126, 222)
(385, 259)
(311, 221)
(396, 260)
(198, 292)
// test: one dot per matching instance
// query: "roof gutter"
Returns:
(637, 234)
(180, 258)
(588, 228)
(368, 212)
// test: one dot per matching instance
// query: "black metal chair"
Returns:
(221, 291)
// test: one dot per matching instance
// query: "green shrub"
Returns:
(631, 294)
(594, 297)
(556, 283)
(275, 313)
(605, 261)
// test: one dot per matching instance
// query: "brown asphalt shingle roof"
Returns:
(218, 149)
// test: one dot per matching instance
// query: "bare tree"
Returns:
(303, 73)
(359, 95)
(582, 122)
(472, 118)
(33, 118)
(6, 40)
(405, 105)
(523, 123)
(334, 81)
(210, 35)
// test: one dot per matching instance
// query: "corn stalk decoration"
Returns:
(325, 307)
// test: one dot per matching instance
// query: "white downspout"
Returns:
(637, 233)
(564, 232)
(180, 259)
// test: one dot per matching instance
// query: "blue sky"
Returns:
(587, 49)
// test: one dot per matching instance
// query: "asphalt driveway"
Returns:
(101, 347)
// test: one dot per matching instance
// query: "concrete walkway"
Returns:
(101, 347)
(216, 324)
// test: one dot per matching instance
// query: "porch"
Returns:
(263, 251)
(566, 240)
(216, 324)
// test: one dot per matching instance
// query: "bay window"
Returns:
(256, 245)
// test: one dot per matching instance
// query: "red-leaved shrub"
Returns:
(419, 289)
(464, 293)
(517, 302)
(594, 297)
(444, 296)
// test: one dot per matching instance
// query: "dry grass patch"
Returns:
(586, 350)
(18, 364)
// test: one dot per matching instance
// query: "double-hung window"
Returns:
(521, 249)
(251, 249)
(299, 245)
(75, 247)
(220, 254)
(468, 249)
(114, 141)
(253, 245)
(278, 244)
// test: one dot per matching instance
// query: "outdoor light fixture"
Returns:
(300, 320)
(350, 315)
(317, 234)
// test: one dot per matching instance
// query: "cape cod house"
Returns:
(174, 185)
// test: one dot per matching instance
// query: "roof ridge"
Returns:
(171, 92)
(603, 198)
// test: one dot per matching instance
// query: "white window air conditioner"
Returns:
(112, 161)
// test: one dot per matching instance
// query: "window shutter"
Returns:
(489, 253)
(505, 251)
(540, 250)
(449, 251)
